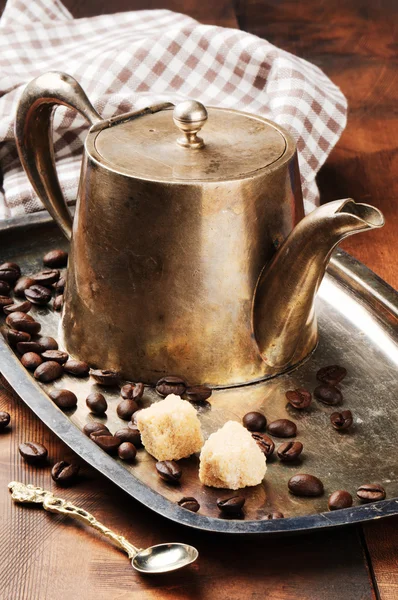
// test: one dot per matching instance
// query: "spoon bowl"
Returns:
(164, 557)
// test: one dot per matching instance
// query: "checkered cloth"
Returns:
(128, 60)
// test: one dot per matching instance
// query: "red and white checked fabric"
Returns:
(128, 60)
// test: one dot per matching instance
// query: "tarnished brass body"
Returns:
(169, 241)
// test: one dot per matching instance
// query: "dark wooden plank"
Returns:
(382, 542)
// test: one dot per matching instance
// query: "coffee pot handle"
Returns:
(33, 133)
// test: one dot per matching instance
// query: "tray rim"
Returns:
(347, 270)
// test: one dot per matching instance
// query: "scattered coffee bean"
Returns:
(9, 272)
(48, 371)
(340, 499)
(371, 492)
(23, 322)
(265, 443)
(341, 420)
(134, 419)
(189, 503)
(93, 426)
(5, 288)
(168, 470)
(108, 443)
(64, 473)
(5, 301)
(98, 432)
(274, 515)
(127, 451)
(79, 368)
(33, 452)
(47, 277)
(24, 347)
(18, 307)
(328, 394)
(171, 385)
(135, 430)
(105, 377)
(254, 421)
(55, 355)
(14, 336)
(282, 428)
(126, 408)
(132, 391)
(198, 393)
(55, 259)
(332, 374)
(128, 435)
(11, 265)
(23, 284)
(59, 286)
(289, 451)
(38, 294)
(232, 505)
(96, 403)
(58, 302)
(4, 419)
(31, 360)
(47, 343)
(63, 398)
(299, 398)
(305, 485)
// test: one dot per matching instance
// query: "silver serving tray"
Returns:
(358, 322)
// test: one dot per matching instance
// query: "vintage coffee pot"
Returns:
(188, 256)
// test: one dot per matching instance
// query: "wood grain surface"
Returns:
(46, 557)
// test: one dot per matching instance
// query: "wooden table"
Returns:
(44, 557)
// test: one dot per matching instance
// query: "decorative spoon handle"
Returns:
(24, 494)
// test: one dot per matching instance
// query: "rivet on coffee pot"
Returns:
(190, 116)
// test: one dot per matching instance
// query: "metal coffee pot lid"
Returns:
(162, 144)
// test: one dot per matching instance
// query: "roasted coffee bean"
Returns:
(98, 432)
(55, 355)
(63, 398)
(282, 428)
(23, 322)
(127, 451)
(129, 435)
(18, 307)
(340, 499)
(31, 360)
(168, 470)
(134, 419)
(96, 403)
(14, 336)
(332, 374)
(132, 391)
(38, 294)
(47, 343)
(55, 259)
(371, 492)
(232, 505)
(105, 377)
(48, 371)
(126, 408)
(59, 286)
(341, 420)
(93, 426)
(33, 452)
(9, 272)
(5, 288)
(109, 443)
(79, 368)
(189, 503)
(58, 302)
(328, 394)
(136, 431)
(5, 301)
(254, 421)
(4, 419)
(274, 515)
(171, 385)
(24, 347)
(299, 398)
(265, 443)
(23, 284)
(305, 485)
(289, 451)
(198, 393)
(47, 277)
(64, 473)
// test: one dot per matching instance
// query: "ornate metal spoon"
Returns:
(156, 559)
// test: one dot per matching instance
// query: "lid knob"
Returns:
(190, 116)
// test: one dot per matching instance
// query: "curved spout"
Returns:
(284, 321)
